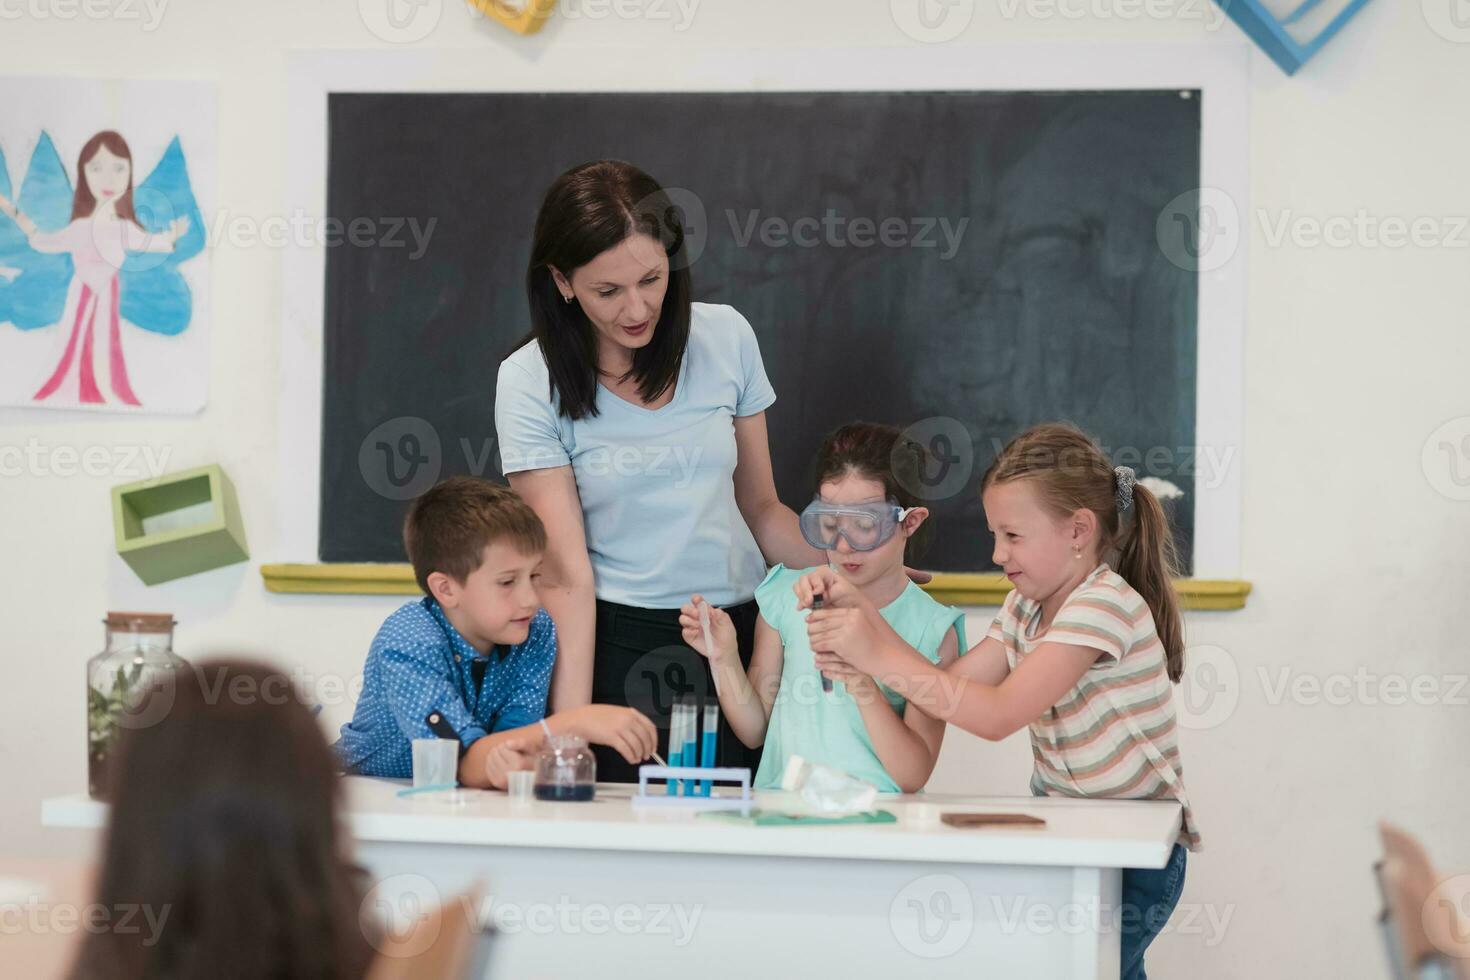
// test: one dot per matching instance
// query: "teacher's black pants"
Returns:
(640, 661)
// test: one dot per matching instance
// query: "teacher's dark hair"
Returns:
(224, 837)
(588, 210)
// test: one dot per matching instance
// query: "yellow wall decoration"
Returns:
(524, 17)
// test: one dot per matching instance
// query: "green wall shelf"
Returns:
(179, 524)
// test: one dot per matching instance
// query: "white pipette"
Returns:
(708, 646)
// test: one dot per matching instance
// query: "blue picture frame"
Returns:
(1271, 33)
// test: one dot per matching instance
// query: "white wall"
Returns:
(1355, 355)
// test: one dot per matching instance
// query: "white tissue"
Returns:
(828, 790)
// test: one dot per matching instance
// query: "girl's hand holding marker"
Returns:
(842, 633)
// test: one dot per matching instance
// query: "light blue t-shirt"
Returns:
(657, 486)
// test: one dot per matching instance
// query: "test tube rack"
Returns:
(744, 803)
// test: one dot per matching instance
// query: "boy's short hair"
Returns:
(449, 526)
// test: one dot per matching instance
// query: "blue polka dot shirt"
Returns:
(418, 664)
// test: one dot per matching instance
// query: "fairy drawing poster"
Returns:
(104, 269)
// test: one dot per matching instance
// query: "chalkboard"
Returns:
(966, 262)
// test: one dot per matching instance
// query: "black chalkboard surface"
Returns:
(969, 262)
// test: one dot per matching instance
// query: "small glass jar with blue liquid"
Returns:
(566, 770)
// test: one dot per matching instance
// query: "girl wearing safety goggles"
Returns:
(865, 517)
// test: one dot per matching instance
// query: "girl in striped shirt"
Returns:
(1083, 652)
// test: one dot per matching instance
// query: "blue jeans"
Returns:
(1149, 897)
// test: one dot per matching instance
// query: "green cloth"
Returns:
(828, 728)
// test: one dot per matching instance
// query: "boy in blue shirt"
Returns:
(472, 660)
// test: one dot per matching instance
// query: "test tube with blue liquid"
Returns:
(709, 742)
(691, 747)
(676, 743)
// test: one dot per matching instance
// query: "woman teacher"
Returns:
(633, 422)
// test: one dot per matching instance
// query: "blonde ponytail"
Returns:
(1148, 561)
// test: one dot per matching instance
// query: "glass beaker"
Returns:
(566, 770)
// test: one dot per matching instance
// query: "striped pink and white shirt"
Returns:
(1114, 735)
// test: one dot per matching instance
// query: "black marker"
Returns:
(826, 681)
(442, 729)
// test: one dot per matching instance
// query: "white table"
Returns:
(602, 888)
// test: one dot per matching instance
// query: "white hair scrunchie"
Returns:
(1124, 479)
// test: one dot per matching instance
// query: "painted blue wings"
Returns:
(153, 293)
(33, 290)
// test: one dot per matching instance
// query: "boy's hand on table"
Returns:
(514, 755)
(627, 730)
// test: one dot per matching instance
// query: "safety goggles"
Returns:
(863, 526)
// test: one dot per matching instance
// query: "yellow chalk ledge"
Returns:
(953, 588)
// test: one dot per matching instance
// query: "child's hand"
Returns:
(836, 591)
(831, 665)
(625, 729)
(859, 686)
(513, 755)
(848, 632)
(721, 631)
